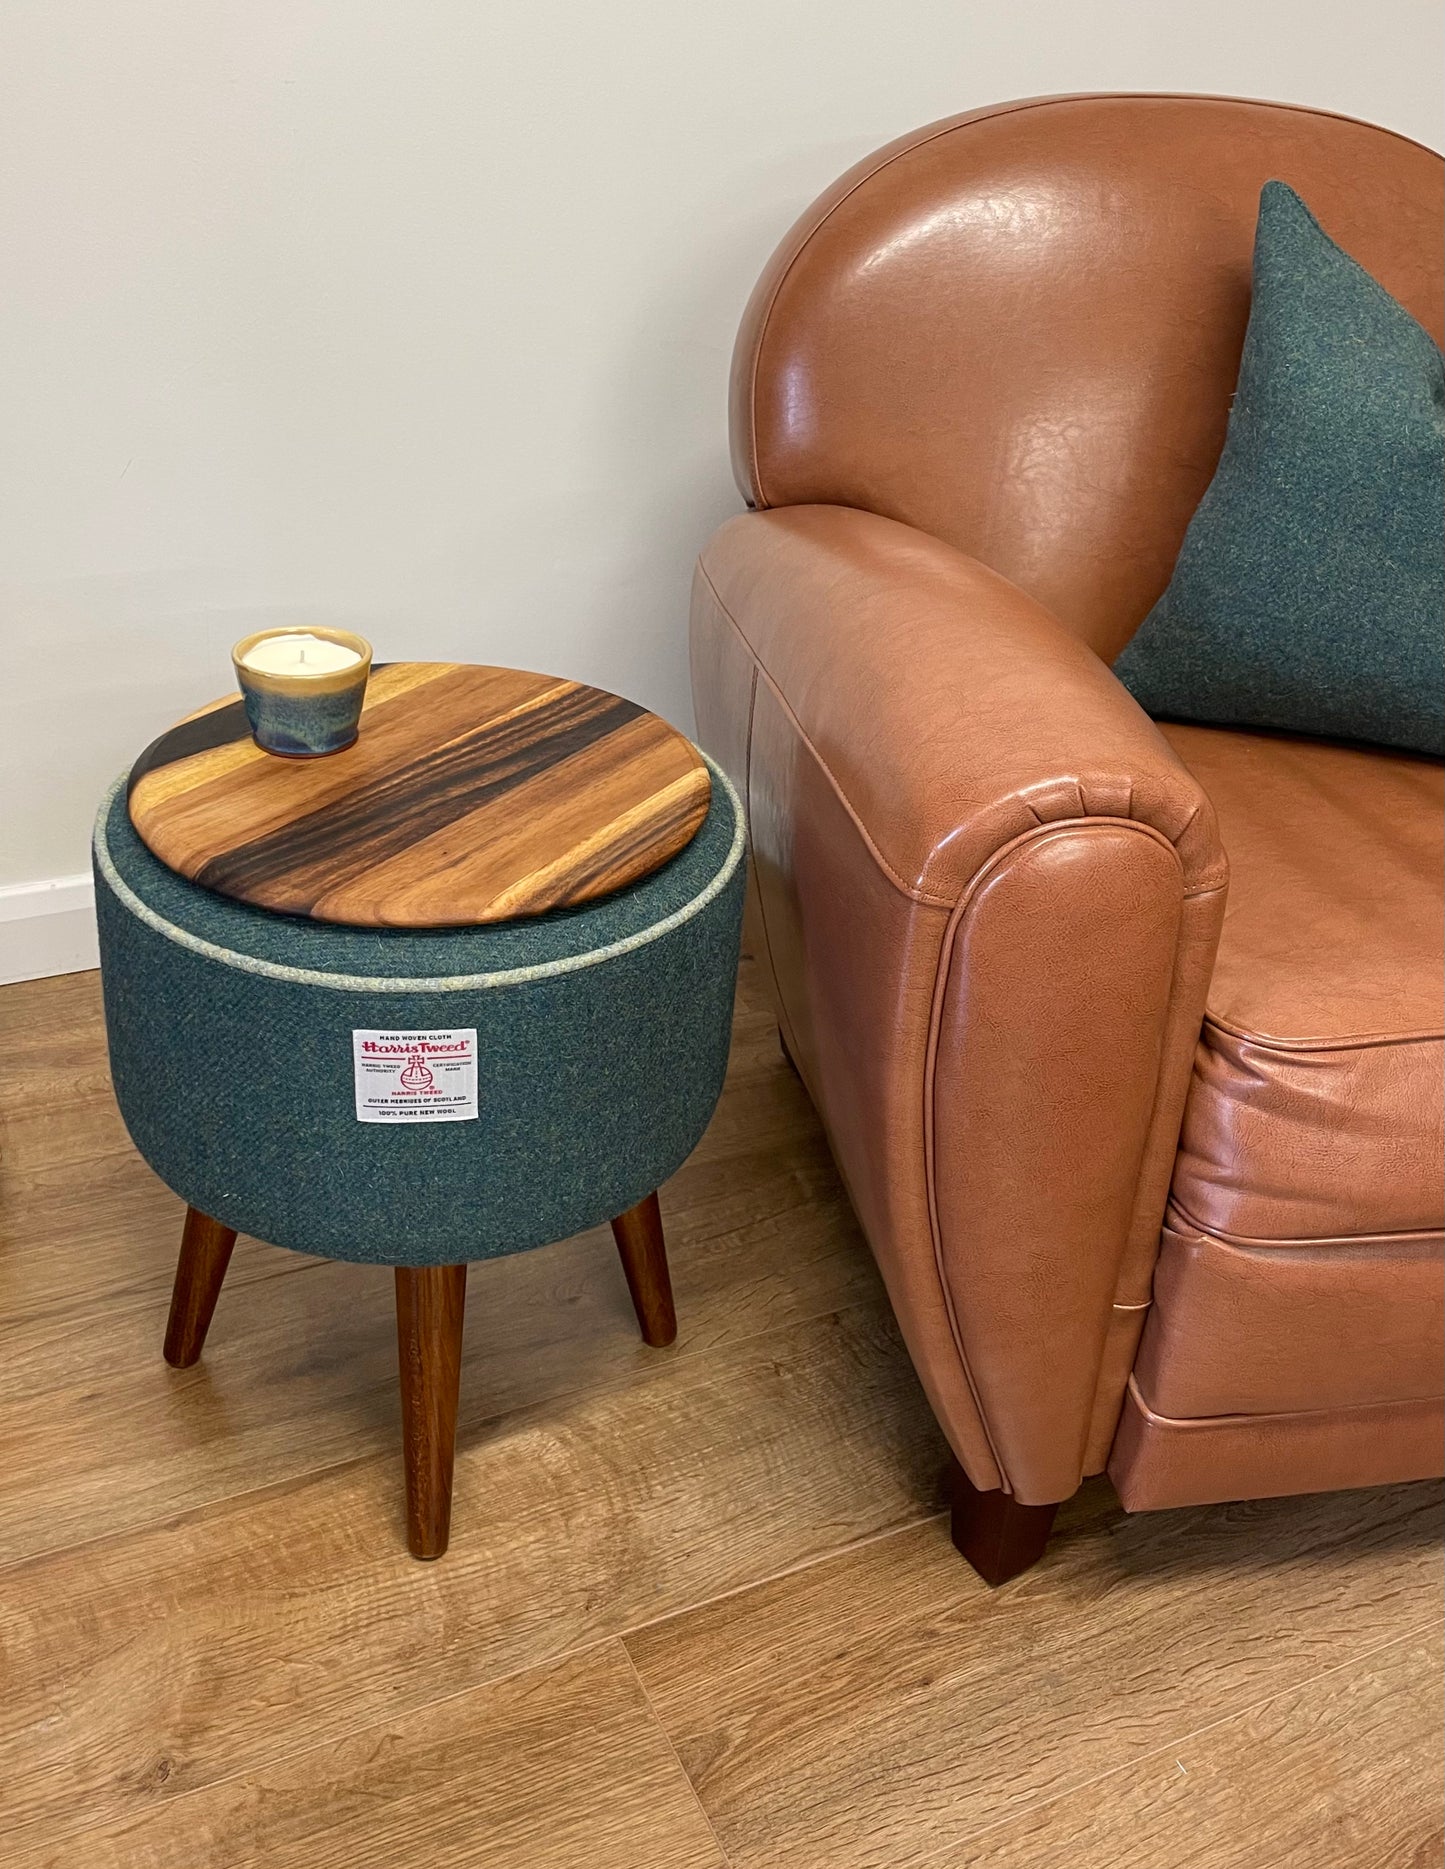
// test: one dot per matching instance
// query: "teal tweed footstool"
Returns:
(458, 991)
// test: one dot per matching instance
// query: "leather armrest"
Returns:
(953, 711)
(988, 896)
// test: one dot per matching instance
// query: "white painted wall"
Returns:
(414, 315)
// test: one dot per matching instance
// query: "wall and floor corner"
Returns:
(419, 323)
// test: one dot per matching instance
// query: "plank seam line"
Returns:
(927, 1517)
(723, 1858)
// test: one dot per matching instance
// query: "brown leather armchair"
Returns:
(1127, 1037)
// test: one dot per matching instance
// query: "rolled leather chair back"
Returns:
(1019, 330)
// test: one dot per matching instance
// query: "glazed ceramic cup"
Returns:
(303, 688)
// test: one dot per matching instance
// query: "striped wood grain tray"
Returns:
(472, 795)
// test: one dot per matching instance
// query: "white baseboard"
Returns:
(47, 927)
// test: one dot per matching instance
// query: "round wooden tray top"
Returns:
(472, 795)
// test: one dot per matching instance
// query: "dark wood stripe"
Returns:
(221, 727)
(347, 837)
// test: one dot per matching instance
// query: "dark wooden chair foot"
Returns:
(430, 1301)
(638, 1233)
(205, 1253)
(998, 1536)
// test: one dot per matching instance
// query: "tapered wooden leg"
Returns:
(205, 1254)
(430, 1300)
(638, 1233)
(998, 1536)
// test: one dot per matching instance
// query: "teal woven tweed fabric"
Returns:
(1310, 590)
(602, 1038)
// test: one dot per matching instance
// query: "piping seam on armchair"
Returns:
(1125, 1306)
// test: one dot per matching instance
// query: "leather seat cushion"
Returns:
(1275, 1330)
(1301, 1265)
(1316, 1109)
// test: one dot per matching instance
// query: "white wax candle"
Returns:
(299, 654)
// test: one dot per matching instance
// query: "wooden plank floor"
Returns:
(700, 1607)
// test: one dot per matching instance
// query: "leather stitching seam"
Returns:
(784, 1022)
(929, 1086)
(1249, 1242)
(1288, 1414)
(913, 893)
(1370, 1041)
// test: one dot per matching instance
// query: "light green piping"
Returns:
(450, 983)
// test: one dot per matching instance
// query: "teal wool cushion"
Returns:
(1309, 593)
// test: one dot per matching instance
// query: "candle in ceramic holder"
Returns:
(303, 688)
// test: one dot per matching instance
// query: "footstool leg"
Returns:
(638, 1233)
(430, 1300)
(205, 1254)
